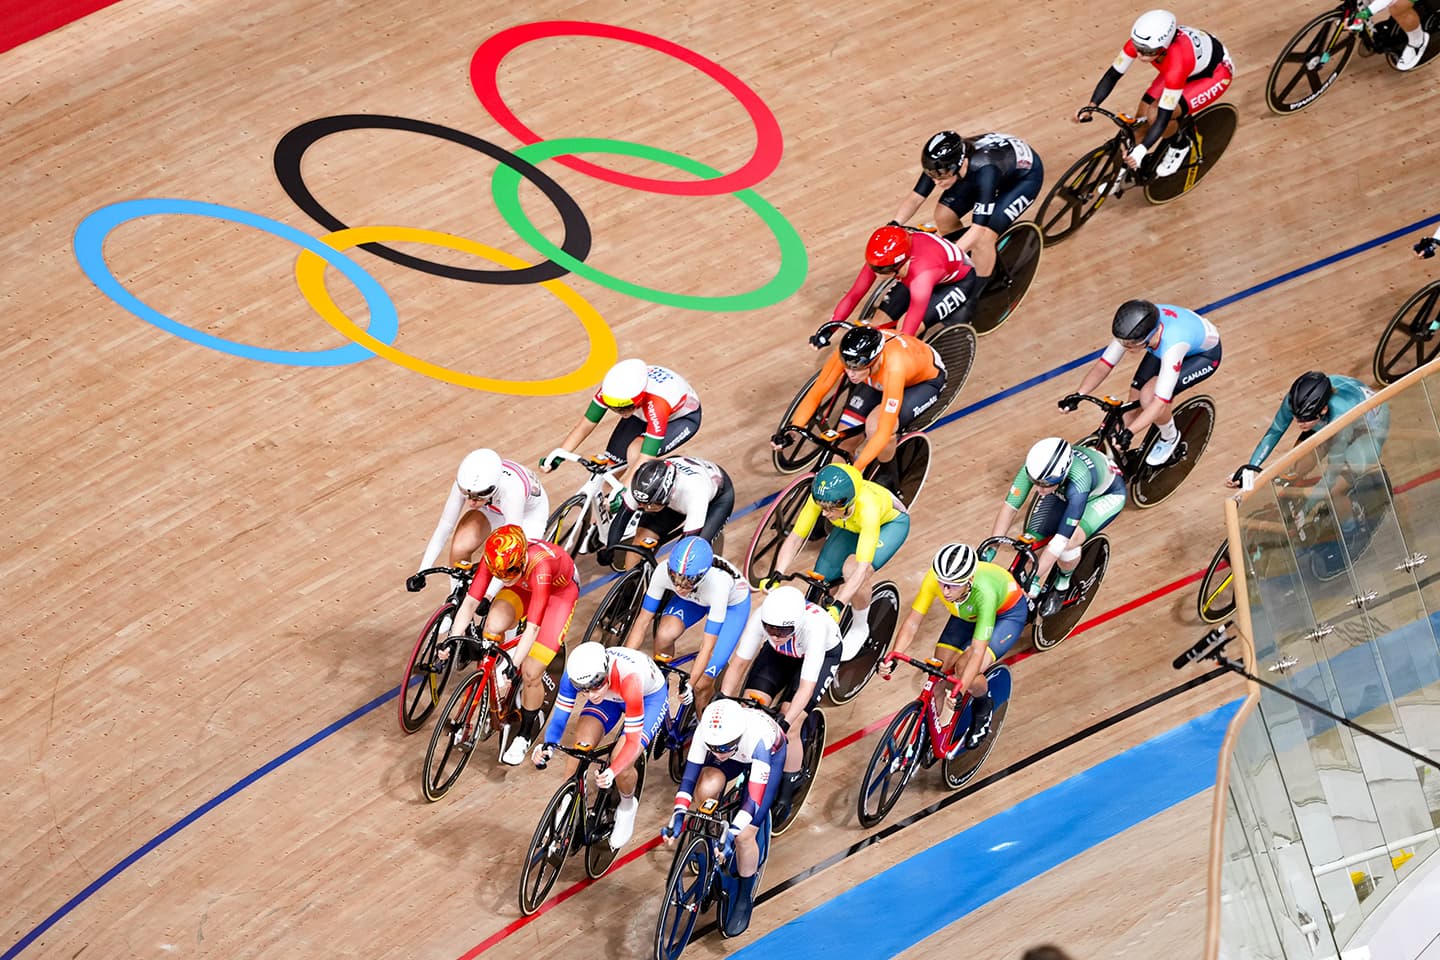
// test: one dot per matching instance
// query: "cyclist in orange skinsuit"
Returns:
(896, 378)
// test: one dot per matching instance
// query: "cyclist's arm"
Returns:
(892, 391)
(657, 420)
(745, 651)
(830, 374)
(1019, 490)
(851, 300)
(694, 763)
(923, 188)
(564, 704)
(763, 766)
(630, 746)
(921, 281)
(1165, 381)
(1174, 73)
(1102, 366)
(909, 627)
(1112, 76)
(583, 428)
(649, 606)
(1283, 418)
(449, 518)
(805, 521)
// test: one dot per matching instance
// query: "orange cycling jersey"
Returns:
(904, 362)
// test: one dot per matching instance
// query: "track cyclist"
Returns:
(675, 495)
(988, 610)
(1194, 69)
(1181, 349)
(937, 280)
(868, 524)
(894, 379)
(1407, 19)
(703, 585)
(1314, 401)
(1079, 483)
(994, 177)
(614, 683)
(731, 739)
(658, 412)
(487, 494)
(794, 645)
(539, 585)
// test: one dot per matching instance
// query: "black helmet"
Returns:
(860, 346)
(1135, 321)
(943, 153)
(653, 481)
(1309, 395)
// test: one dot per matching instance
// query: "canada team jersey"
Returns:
(933, 261)
(1183, 333)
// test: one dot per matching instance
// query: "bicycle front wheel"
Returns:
(892, 764)
(549, 847)
(1084, 585)
(611, 622)
(455, 736)
(801, 453)
(424, 680)
(566, 524)
(813, 737)
(961, 768)
(775, 524)
(1216, 600)
(1080, 191)
(1310, 63)
(690, 876)
(1412, 338)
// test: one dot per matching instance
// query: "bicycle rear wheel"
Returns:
(873, 299)
(566, 524)
(893, 763)
(801, 453)
(424, 681)
(1216, 599)
(1309, 64)
(955, 342)
(455, 736)
(1084, 585)
(549, 847)
(1079, 192)
(774, 524)
(685, 724)
(685, 888)
(813, 738)
(906, 473)
(1018, 257)
(612, 619)
(1412, 338)
(855, 673)
(1214, 129)
(1195, 419)
(959, 769)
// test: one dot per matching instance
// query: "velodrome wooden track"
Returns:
(204, 553)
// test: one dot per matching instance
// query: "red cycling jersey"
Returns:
(933, 261)
(547, 587)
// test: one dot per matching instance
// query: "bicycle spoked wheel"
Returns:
(801, 453)
(685, 890)
(1412, 338)
(1084, 585)
(599, 855)
(1018, 258)
(1078, 193)
(892, 764)
(874, 298)
(549, 846)
(853, 674)
(1216, 599)
(455, 736)
(1214, 129)
(961, 768)
(424, 680)
(566, 523)
(775, 524)
(612, 619)
(955, 342)
(1309, 64)
(1195, 419)
(813, 738)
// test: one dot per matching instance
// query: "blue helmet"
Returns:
(691, 559)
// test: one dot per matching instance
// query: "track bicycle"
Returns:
(1412, 337)
(699, 878)
(610, 623)
(1047, 631)
(1148, 486)
(578, 815)
(426, 674)
(581, 523)
(1215, 600)
(916, 738)
(678, 724)
(1317, 54)
(1101, 174)
(486, 702)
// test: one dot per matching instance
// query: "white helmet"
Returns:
(722, 725)
(479, 473)
(1049, 461)
(783, 607)
(588, 666)
(624, 383)
(1153, 31)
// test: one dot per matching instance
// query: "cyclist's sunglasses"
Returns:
(684, 582)
(886, 271)
(1148, 52)
(832, 505)
(485, 494)
(730, 747)
(941, 173)
(776, 630)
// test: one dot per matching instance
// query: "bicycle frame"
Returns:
(938, 735)
(596, 515)
(1126, 458)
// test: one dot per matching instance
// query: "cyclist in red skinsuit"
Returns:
(924, 263)
(540, 585)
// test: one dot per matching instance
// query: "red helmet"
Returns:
(888, 247)
(506, 550)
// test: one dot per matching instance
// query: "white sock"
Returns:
(1416, 36)
(1168, 431)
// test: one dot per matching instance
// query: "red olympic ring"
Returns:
(769, 144)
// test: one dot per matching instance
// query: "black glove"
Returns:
(415, 582)
(820, 338)
(781, 438)
(1123, 437)
(1238, 474)
(784, 724)
(894, 223)
(482, 609)
(1070, 404)
(1426, 247)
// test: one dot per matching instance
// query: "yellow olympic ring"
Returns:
(310, 277)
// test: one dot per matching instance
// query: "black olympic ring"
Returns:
(291, 150)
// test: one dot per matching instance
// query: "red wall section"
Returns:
(22, 20)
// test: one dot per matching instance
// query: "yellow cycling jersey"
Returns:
(874, 507)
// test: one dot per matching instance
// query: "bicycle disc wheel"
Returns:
(774, 524)
(424, 682)
(549, 847)
(1078, 193)
(853, 674)
(1214, 129)
(685, 889)
(566, 524)
(891, 765)
(1309, 64)
(959, 769)
(1412, 338)
(1195, 419)
(454, 739)
(1017, 258)
(801, 453)
(1216, 599)
(612, 619)
(955, 342)
(1084, 585)
(813, 738)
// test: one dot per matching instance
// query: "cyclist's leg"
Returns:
(747, 851)
(506, 609)
(470, 534)
(678, 431)
(718, 513)
(1099, 511)
(677, 616)
(953, 640)
(839, 545)
(595, 720)
(549, 637)
(1045, 519)
(772, 675)
(984, 233)
(892, 535)
(1202, 91)
(628, 430)
(951, 209)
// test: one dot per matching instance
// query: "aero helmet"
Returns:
(1153, 31)
(889, 247)
(588, 666)
(1135, 321)
(1310, 395)
(861, 346)
(653, 482)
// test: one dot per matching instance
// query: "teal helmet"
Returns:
(833, 485)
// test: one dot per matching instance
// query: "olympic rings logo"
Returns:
(566, 257)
